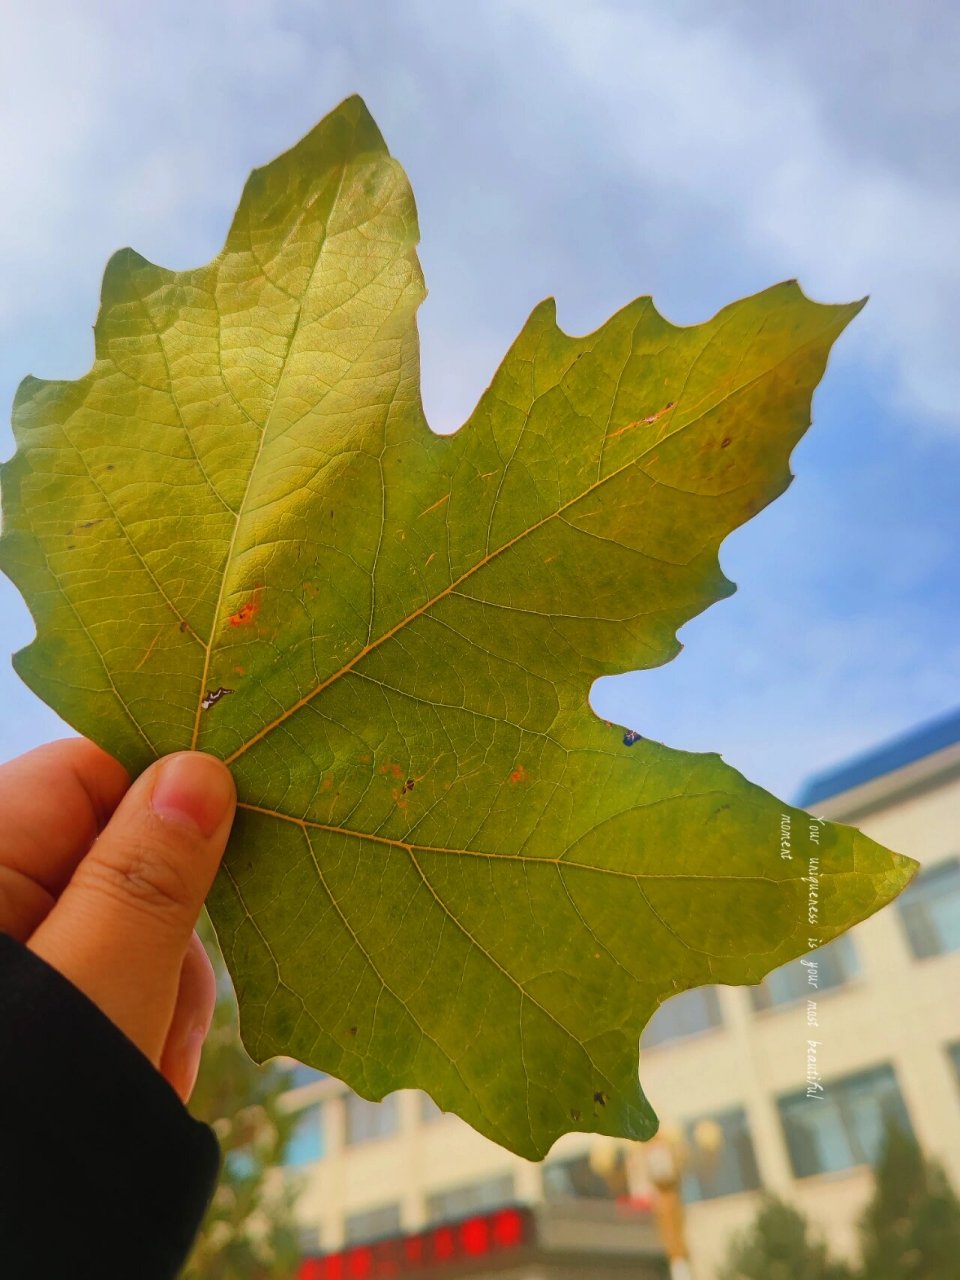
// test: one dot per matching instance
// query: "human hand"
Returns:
(105, 882)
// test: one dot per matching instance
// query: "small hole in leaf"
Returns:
(213, 696)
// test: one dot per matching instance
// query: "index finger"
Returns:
(54, 802)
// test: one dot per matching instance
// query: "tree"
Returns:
(249, 1232)
(778, 1246)
(911, 1227)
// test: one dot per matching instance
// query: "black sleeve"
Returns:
(103, 1172)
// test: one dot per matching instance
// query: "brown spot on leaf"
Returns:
(183, 624)
(600, 1098)
(439, 503)
(244, 614)
(574, 1115)
(150, 648)
(248, 610)
(727, 440)
(642, 422)
(351, 1031)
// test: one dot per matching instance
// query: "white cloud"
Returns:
(701, 114)
(115, 122)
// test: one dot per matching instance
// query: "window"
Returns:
(836, 963)
(366, 1121)
(429, 1111)
(371, 1224)
(953, 1051)
(844, 1126)
(577, 1179)
(683, 1015)
(306, 1143)
(930, 910)
(720, 1157)
(473, 1197)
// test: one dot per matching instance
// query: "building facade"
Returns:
(785, 1087)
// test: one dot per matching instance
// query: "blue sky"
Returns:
(593, 151)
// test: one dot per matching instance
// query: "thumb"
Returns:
(122, 926)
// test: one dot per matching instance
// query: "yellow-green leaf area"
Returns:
(238, 533)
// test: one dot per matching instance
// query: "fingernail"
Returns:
(193, 790)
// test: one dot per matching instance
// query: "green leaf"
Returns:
(237, 532)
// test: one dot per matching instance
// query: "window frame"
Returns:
(391, 1208)
(301, 1114)
(578, 1166)
(481, 1203)
(851, 964)
(892, 1109)
(953, 1056)
(695, 1187)
(708, 994)
(915, 899)
(370, 1109)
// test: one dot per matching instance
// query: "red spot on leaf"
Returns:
(240, 671)
(247, 611)
(519, 774)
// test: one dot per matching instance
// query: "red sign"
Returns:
(442, 1247)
